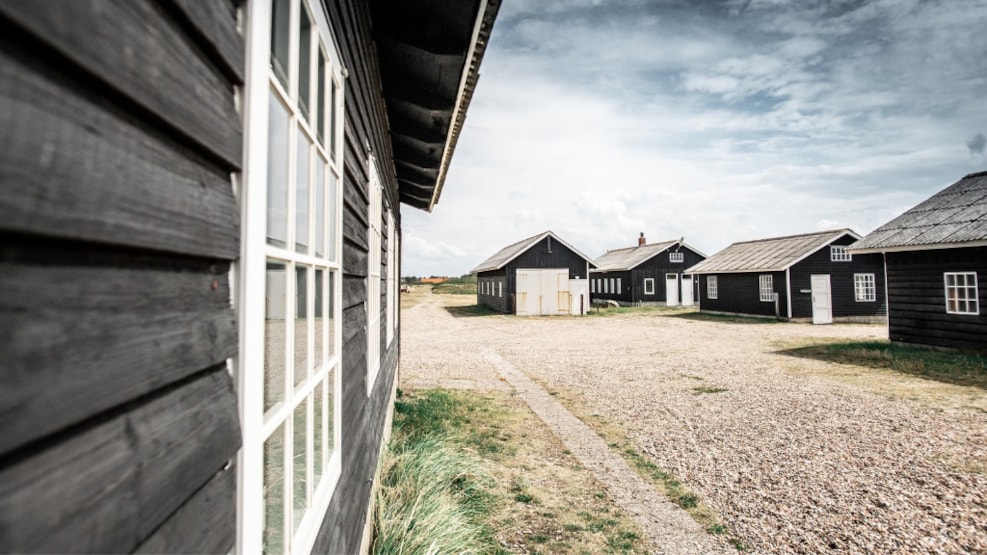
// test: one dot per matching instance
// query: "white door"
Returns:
(578, 297)
(687, 299)
(672, 289)
(526, 300)
(540, 292)
(822, 300)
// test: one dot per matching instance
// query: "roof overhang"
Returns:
(430, 53)
(932, 247)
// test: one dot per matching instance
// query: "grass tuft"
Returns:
(708, 389)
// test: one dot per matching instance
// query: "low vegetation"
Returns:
(948, 367)
(604, 310)
(471, 472)
(464, 285)
(728, 318)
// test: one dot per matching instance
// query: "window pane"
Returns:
(274, 334)
(333, 92)
(331, 215)
(320, 101)
(301, 193)
(320, 206)
(277, 174)
(304, 62)
(318, 428)
(279, 40)
(330, 408)
(274, 492)
(331, 315)
(299, 457)
(301, 325)
(319, 356)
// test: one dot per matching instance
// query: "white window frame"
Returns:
(766, 287)
(500, 288)
(712, 287)
(375, 216)
(676, 257)
(838, 253)
(592, 286)
(649, 286)
(966, 295)
(620, 287)
(613, 288)
(392, 278)
(250, 275)
(864, 288)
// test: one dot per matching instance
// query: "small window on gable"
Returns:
(712, 287)
(676, 257)
(864, 289)
(962, 293)
(649, 286)
(766, 288)
(838, 253)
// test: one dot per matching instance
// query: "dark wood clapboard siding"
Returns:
(133, 47)
(498, 278)
(75, 166)
(107, 487)
(206, 524)
(87, 330)
(844, 303)
(917, 298)
(740, 293)
(624, 295)
(213, 24)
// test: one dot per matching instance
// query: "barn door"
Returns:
(528, 287)
(549, 292)
(822, 300)
(562, 292)
(687, 299)
(672, 289)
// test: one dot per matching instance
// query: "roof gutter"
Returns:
(930, 247)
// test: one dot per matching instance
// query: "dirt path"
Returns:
(795, 455)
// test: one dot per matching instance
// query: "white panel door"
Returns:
(549, 292)
(687, 299)
(578, 296)
(672, 289)
(561, 292)
(822, 300)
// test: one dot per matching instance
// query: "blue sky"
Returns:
(716, 121)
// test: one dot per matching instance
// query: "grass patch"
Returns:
(708, 389)
(603, 310)
(471, 310)
(947, 367)
(465, 285)
(727, 318)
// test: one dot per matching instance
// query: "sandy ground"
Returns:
(795, 455)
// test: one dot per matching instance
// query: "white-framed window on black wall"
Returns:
(619, 286)
(374, 219)
(838, 253)
(290, 289)
(962, 293)
(649, 286)
(592, 286)
(711, 287)
(766, 287)
(864, 289)
(676, 257)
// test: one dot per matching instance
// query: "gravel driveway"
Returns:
(795, 455)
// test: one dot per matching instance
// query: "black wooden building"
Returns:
(540, 275)
(807, 276)
(935, 257)
(199, 250)
(648, 274)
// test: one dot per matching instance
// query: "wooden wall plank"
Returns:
(87, 338)
(100, 489)
(215, 23)
(206, 524)
(158, 69)
(76, 167)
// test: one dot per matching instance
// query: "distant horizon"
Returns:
(723, 122)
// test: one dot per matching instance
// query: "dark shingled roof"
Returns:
(767, 255)
(514, 250)
(954, 217)
(631, 257)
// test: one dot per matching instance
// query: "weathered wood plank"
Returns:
(74, 167)
(100, 489)
(205, 524)
(87, 338)
(159, 69)
(215, 22)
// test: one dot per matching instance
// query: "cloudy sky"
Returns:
(717, 121)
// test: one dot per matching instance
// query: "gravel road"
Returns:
(795, 455)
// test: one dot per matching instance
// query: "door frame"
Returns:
(821, 316)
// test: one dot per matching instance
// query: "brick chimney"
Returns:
(641, 241)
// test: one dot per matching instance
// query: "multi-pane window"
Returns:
(619, 287)
(838, 253)
(864, 289)
(676, 257)
(374, 218)
(613, 285)
(766, 287)
(962, 295)
(592, 286)
(649, 286)
(712, 287)
(297, 380)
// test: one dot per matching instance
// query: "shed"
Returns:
(935, 257)
(200, 225)
(648, 274)
(807, 276)
(540, 275)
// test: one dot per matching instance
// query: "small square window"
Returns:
(864, 289)
(838, 253)
(962, 293)
(649, 286)
(711, 287)
(766, 288)
(676, 257)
